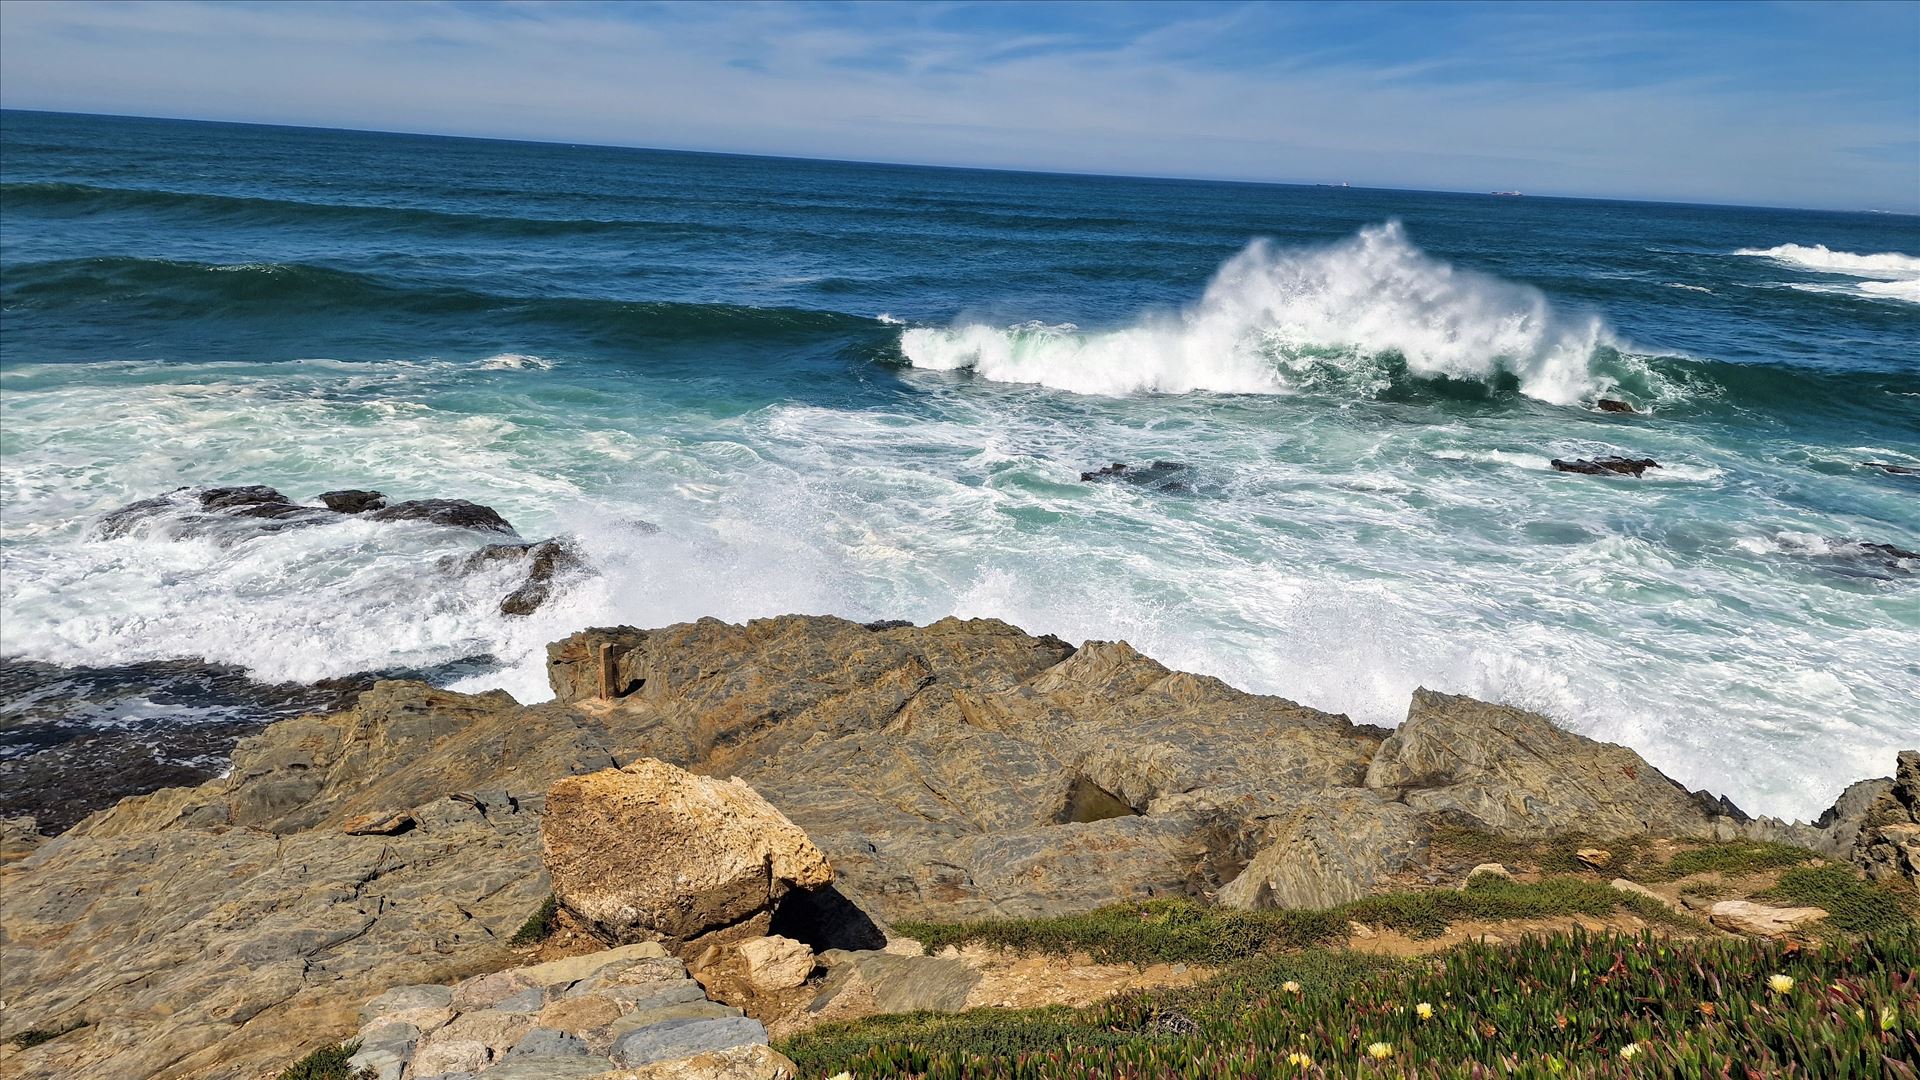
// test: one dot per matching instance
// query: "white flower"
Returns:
(1630, 1050)
(1290, 986)
(1380, 1050)
(1779, 984)
(1424, 1010)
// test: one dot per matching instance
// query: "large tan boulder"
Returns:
(652, 851)
(1887, 844)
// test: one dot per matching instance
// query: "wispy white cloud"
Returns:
(1484, 99)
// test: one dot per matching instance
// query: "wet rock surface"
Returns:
(1605, 466)
(351, 501)
(458, 513)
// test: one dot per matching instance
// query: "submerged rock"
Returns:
(352, 500)
(545, 561)
(1614, 405)
(1896, 470)
(455, 512)
(1172, 477)
(1603, 466)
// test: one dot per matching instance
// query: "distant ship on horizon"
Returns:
(1516, 194)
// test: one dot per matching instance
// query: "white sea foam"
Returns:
(515, 362)
(1306, 565)
(1886, 275)
(1272, 315)
(1689, 288)
(1821, 257)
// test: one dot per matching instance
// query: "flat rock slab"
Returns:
(685, 1038)
(548, 1067)
(902, 983)
(1761, 920)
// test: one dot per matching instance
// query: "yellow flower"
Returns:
(1290, 986)
(1779, 984)
(1299, 1059)
(1630, 1050)
(1424, 1010)
(1379, 1051)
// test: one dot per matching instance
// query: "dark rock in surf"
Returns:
(455, 512)
(1605, 466)
(1167, 476)
(545, 561)
(204, 509)
(352, 501)
(1895, 470)
(1613, 405)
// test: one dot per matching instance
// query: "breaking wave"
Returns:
(1888, 275)
(1276, 320)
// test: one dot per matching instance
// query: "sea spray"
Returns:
(1271, 315)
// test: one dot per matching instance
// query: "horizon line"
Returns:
(957, 168)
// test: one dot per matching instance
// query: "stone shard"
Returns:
(654, 851)
(1515, 772)
(776, 963)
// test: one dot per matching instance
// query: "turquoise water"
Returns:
(871, 390)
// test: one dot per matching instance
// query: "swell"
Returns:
(168, 289)
(55, 198)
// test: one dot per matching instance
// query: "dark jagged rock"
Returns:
(1605, 466)
(1896, 470)
(546, 561)
(1614, 405)
(202, 510)
(1888, 551)
(455, 512)
(352, 500)
(887, 624)
(1172, 477)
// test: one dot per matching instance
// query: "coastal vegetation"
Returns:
(1573, 1004)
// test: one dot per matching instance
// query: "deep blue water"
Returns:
(870, 390)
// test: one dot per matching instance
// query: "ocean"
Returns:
(749, 386)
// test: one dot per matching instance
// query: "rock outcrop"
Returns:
(1514, 772)
(1887, 840)
(653, 852)
(960, 770)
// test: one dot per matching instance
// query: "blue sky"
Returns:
(1796, 104)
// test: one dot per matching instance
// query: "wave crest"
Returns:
(1273, 318)
(1821, 257)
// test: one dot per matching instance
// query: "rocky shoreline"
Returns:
(952, 772)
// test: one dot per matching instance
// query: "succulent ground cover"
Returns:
(1669, 1002)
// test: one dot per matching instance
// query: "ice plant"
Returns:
(1779, 984)
(1630, 1051)
(1424, 1010)
(1290, 986)
(1379, 1051)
